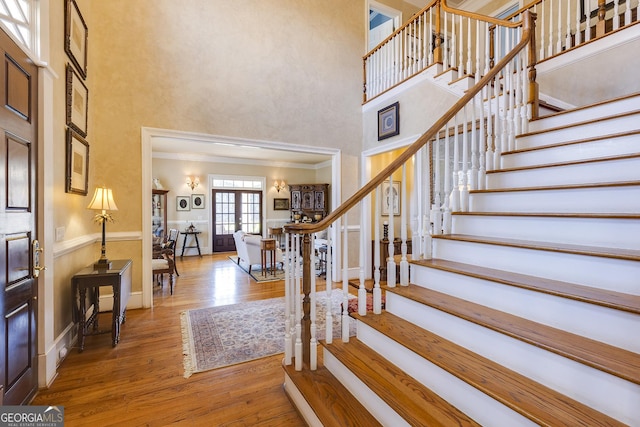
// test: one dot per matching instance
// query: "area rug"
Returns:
(256, 272)
(231, 334)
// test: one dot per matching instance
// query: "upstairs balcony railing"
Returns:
(466, 44)
(447, 162)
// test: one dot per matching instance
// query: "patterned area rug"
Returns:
(226, 335)
(256, 272)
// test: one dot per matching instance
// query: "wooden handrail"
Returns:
(358, 196)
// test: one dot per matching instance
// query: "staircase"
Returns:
(529, 311)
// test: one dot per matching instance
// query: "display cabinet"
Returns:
(309, 202)
(159, 212)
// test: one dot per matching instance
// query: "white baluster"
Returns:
(469, 70)
(627, 12)
(329, 288)
(377, 292)
(587, 28)
(578, 23)
(436, 211)
(446, 220)
(568, 38)
(288, 321)
(475, 141)
(445, 43)
(616, 14)
(489, 164)
(313, 343)
(460, 33)
(464, 176)
(455, 193)
(482, 151)
(430, 36)
(391, 262)
(298, 302)
(478, 52)
(404, 264)
(345, 279)
(559, 42)
(362, 292)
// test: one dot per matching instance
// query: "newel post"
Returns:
(602, 11)
(437, 50)
(530, 25)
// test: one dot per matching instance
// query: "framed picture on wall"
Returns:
(197, 201)
(390, 198)
(75, 37)
(77, 176)
(389, 121)
(183, 203)
(280, 204)
(77, 102)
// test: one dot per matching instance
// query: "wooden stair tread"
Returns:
(625, 254)
(332, 403)
(414, 402)
(613, 360)
(553, 215)
(603, 297)
(558, 187)
(564, 163)
(535, 401)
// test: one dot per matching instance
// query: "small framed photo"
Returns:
(280, 204)
(77, 179)
(75, 37)
(390, 198)
(389, 121)
(183, 203)
(77, 102)
(197, 201)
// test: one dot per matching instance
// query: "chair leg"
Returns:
(171, 282)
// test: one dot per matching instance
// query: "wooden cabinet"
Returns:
(309, 201)
(159, 212)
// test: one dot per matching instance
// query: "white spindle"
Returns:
(455, 191)
(436, 211)
(446, 220)
(404, 264)
(469, 69)
(559, 42)
(568, 38)
(429, 35)
(482, 145)
(587, 27)
(445, 43)
(460, 41)
(616, 14)
(345, 279)
(475, 141)
(464, 176)
(627, 12)
(313, 343)
(329, 288)
(391, 262)
(550, 45)
(298, 303)
(578, 23)
(542, 31)
(489, 164)
(479, 51)
(362, 292)
(377, 292)
(288, 288)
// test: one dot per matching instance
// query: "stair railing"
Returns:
(436, 39)
(471, 132)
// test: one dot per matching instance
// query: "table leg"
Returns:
(184, 243)
(115, 317)
(263, 260)
(198, 245)
(83, 316)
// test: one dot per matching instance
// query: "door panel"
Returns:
(234, 210)
(18, 286)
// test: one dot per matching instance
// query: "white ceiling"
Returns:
(245, 153)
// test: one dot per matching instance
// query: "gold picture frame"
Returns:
(77, 176)
(76, 37)
(77, 102)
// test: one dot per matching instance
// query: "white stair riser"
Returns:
(606, 273)
(593, 321)
(575, 133)
(618, 170)
(300, 403)
(603, 232)
(466, 398)
(628, 144)
(618, 199)
(374, 404)
(601, 391)
(581, 115)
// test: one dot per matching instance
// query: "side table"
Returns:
(184, 242)
(88, 279)
(268, 246)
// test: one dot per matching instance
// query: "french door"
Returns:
(234, 210)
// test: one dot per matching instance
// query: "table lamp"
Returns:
(103, 201)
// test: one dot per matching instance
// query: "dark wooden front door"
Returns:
(18, 154)
(235, 210)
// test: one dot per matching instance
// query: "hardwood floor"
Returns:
(140, 382)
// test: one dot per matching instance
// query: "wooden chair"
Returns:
(172, 243)
(163, 262)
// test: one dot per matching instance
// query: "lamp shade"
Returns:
(103, 200)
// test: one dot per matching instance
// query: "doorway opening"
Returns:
(383, 21)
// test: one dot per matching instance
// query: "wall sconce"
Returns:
(192, 183)
(279, 185)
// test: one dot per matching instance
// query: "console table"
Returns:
(118, 277)
(193, 233)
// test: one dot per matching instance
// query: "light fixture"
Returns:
(279, 185)
(192, 183)
(103, 201)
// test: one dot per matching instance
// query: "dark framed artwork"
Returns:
(183, 203)
(390, 198)
(389, 121)
(197, 201)
(77, 102)
(76, 37)
(280, 204)
(77, 179)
